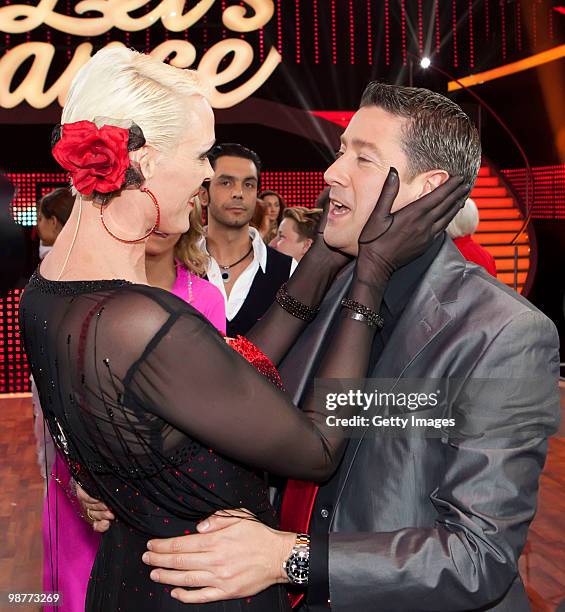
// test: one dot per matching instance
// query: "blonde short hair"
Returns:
(121, 85)
(465, 221)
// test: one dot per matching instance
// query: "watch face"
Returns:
(298, 565)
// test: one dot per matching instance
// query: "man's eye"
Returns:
(364, 159)
(338, 154)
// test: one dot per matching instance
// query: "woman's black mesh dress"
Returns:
(158, 417)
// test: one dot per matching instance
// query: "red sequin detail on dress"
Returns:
(256, 358)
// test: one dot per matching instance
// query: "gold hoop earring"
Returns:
(155, 226)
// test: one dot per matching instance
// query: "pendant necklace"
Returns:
(226, 275)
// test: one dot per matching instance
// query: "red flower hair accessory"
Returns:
(97, 158)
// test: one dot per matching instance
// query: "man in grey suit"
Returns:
(409, 522)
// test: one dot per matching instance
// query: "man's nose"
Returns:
(237, 192)
(335, 174)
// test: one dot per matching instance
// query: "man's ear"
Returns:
(432, 180)
(204, 196)
(307, 245)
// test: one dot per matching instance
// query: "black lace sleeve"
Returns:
(129, 375)
(188, 376)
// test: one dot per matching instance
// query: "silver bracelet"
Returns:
(359, 312)
(356, 316)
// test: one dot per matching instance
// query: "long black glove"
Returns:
(277, 330)
(391, 240)
(387, 242)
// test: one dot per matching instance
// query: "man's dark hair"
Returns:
(233, 149)
(57, 203)
(438, 134)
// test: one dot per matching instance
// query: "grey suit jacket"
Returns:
(439, 523)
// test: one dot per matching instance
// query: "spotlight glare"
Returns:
(425, 62)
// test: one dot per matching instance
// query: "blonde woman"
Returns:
(174, 263)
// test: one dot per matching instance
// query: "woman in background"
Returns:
(69, 544)
(297, 231)
(260, 220)
(274, 208)
(461, 231)
(53, 211)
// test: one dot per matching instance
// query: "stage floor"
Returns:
(21, 493)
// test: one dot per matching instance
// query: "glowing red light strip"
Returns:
(316, 34)
(68, 37)
(387, 33)
(454, 29)
(438, 38)
(334, 33)
(535, 24)
(487, 18)
(503, 28)
(420, 28)
(279, 27)
(351, 34)
(403, 24)
(519, 24)
(369, 33)
(261, 44)
(471, 36)
(297, 29)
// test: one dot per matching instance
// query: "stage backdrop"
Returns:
(308, 55)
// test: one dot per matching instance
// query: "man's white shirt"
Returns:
(242, 285)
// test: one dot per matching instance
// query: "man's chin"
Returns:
(340, 244)
(236, 223)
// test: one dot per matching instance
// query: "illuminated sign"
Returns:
(22, 18)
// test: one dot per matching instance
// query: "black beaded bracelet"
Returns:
(372, 318)
(294, 307)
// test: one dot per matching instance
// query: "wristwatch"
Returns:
(297, 566)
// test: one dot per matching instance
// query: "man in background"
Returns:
(247, 272)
